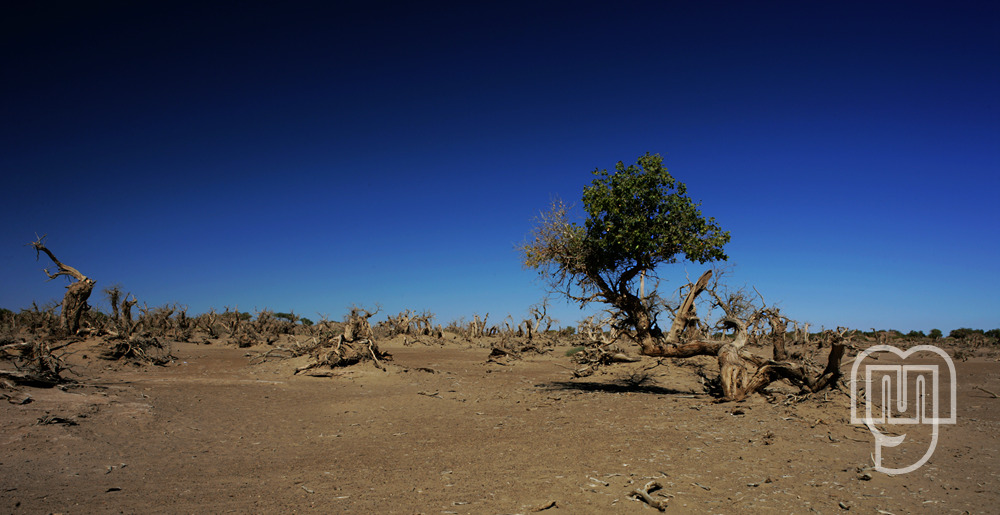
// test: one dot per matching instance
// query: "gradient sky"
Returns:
(307, 157)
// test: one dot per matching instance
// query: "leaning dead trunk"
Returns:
(687, 308)
(778, 327)
(75, 301)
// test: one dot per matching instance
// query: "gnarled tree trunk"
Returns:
(779, 326)
(75, 301)
(742, 373)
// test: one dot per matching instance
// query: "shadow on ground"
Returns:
(613, 387)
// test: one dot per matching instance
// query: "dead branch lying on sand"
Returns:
(644, 494)
(980, 388)
(278, 352)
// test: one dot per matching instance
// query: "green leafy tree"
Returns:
(935, 334)
(638, 217)
(963, 333)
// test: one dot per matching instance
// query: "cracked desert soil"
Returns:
(443, 430)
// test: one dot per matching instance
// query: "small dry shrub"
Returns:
(138, 349)
(35, 362)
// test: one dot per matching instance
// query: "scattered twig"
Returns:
(264, 355)
(995, 396)
(644, 492)
(551, 504)
(53, 419)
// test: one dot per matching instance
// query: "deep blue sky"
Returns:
(303, 157)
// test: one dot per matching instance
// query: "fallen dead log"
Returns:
(685, 350)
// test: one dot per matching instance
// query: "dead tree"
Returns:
(39, 320)
(354, 345)
(477, 327)
(539, 315)
(75, 301)
(134, 340)
(127, 326)
(743, 373)
(121, 312)
(231, 320)
(686, 312)
(881, 337)
(268, 327)
(182, 325)
(423, 324)
(356, 326)
(399, 324)
(600, 331)
(601, 347)
(36, 365)
(801, 335)
(779, 325)
(207, 321)
(156, 321)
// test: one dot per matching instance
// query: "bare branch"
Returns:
(63, 269)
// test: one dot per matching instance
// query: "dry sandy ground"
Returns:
(445, 431)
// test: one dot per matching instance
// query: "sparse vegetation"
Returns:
(709, 320)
